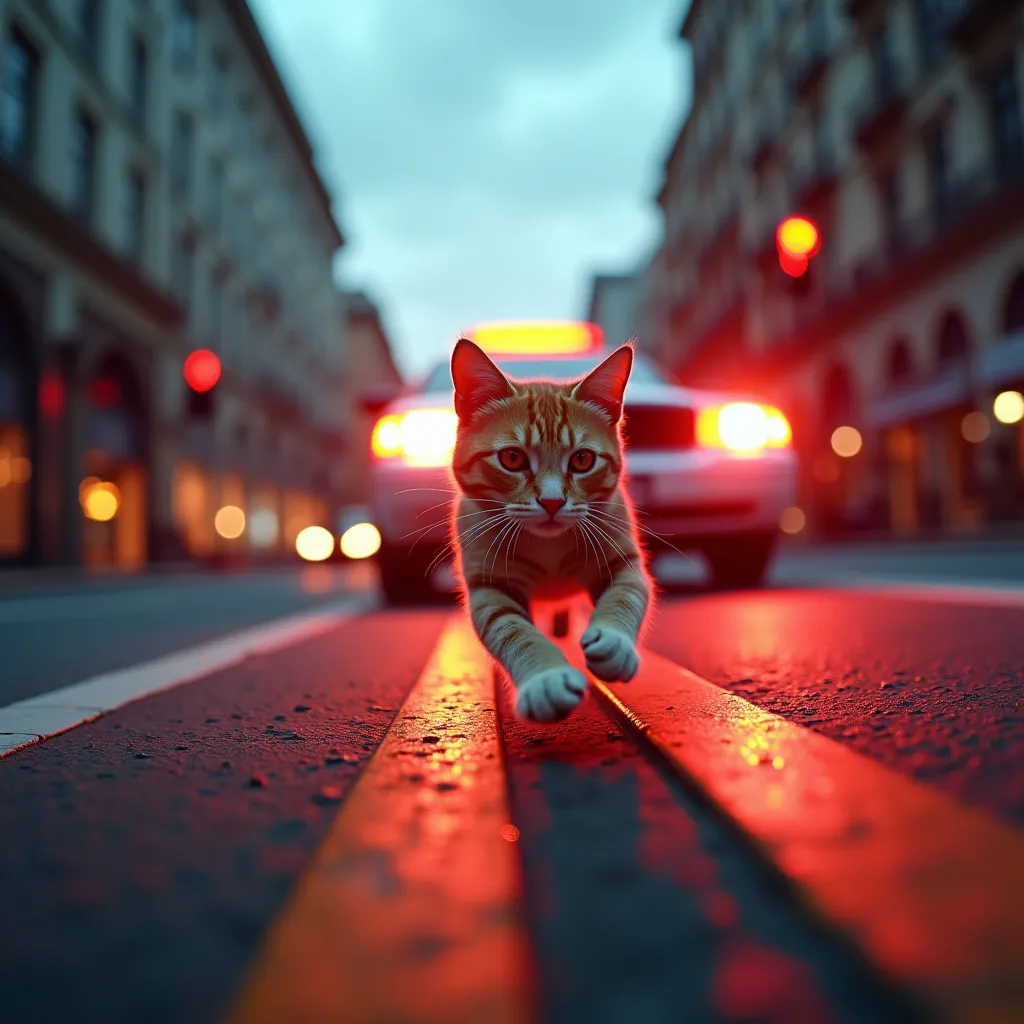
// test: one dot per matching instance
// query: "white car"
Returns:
(708, 472)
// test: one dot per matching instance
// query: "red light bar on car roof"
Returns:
(537, 337)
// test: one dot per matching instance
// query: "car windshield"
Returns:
(644, 372)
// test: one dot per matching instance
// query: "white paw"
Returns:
(610, 654)
(551, 694)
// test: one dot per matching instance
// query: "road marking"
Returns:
(38, 718)
(410, 908)
(932, 892)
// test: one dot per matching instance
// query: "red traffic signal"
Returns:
(798, 240)
(202, 370)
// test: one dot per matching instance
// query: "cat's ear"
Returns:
(478, 382)
(605, 385)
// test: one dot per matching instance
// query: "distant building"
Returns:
(614, 305)
(370, 370)
(157, 195)
(899, 128)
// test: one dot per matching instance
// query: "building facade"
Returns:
(158, 195)
(897, 126)
(615, 304)
(371, 374)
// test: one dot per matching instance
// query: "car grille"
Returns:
(649, 428)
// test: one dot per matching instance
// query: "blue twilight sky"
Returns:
(486, 156)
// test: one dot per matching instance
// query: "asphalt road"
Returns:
(147, 854)
(53, 635)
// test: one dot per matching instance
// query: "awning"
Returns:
(917, 401)
(1002, 362)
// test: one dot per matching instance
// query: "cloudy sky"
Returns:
(487, 156)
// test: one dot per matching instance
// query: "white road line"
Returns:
(37, 718)
(991, 593)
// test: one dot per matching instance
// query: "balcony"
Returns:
(978, 20)
(880, 112)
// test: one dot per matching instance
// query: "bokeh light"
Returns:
(792, 520)
(360, 541)
(314, 544)
(975, 427)
(263, 527)
(1008, 407)
(846, 442)
(100, 499)
(229, 522)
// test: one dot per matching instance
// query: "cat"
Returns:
(542, 462)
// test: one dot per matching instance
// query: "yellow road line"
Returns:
(410, 909)
(931, 891)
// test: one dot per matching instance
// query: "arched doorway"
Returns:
(902, 445)
(17, 382)
(835, 479)
(899, 363)
(955, 470)
(112, 492)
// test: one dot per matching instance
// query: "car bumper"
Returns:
(699, 494)
(682, 496)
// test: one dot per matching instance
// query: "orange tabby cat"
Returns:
(540, 513)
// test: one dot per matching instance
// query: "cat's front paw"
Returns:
(551, 694)
(610, 654)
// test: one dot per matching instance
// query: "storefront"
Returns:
(16, 382)
(930, 454)
(113, 490)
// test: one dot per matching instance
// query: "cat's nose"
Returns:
(551, 505)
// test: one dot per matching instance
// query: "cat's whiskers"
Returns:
(421, 530)
(616, 547)
(591, 528)
(475, 532)
(625, 524)
(509, 524)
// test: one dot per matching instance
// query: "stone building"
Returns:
(897, 126)
(159, 195)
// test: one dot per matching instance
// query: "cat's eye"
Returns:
(582, 460)
(512, 459)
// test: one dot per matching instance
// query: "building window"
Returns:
(218, 83)
(183, 272)
(135, 215)
(1007, 131)
(139, 83)
(83, 166)
(181, 155)
(17, 113)
(891, 203)
(938, 169)
(215, 197)
(931, 31)
(185, 37)
(88, 28)
(883, 64)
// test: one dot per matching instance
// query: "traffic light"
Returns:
(202, 371)
(797, 240)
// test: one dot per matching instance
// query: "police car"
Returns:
(708, 473)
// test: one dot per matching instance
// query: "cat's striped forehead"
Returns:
(543, 414)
